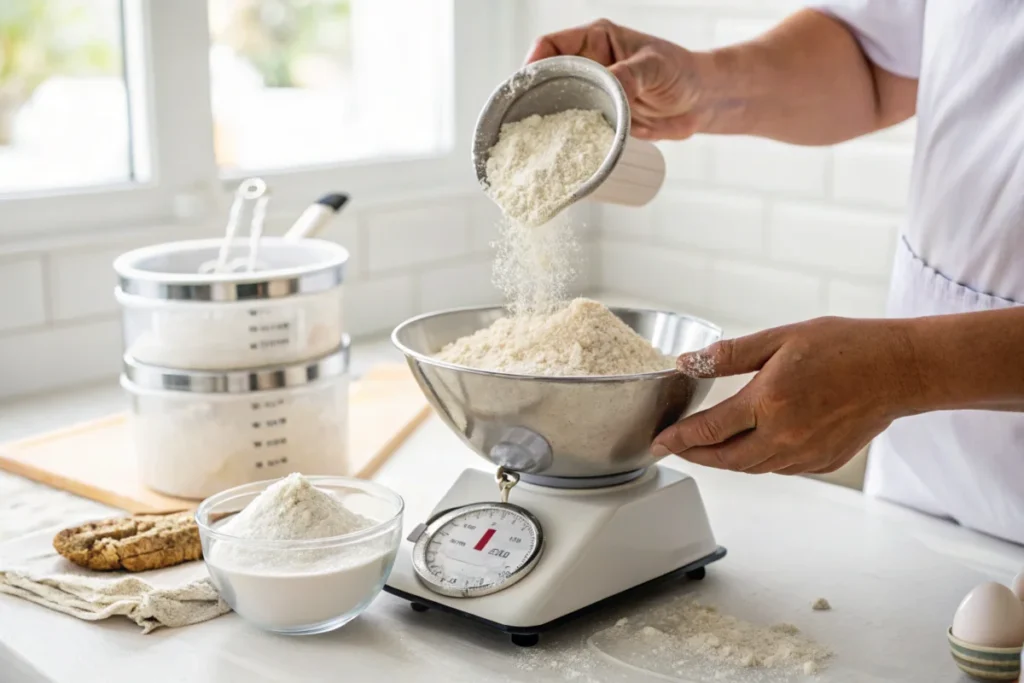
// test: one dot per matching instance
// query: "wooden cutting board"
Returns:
(96, 460)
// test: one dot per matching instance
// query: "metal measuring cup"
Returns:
(632, 172)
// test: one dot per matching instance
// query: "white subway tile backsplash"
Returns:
(22, 295)
(486, 219)
(730, 31)
(82, 283)
(770, 166)
(582, 218)
(687, 159)
(771, 296)
(55, 357)
(690, 30)
(855, 300)
(660, 274)
(457, 286)
(416, 235)
(872, 173)
(628, 221)
(710, 220)
(344, 230)
(738, 7)
(843, 240)
(373, 306)
(588, 269)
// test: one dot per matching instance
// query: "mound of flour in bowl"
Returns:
(540, 161)
(292, 509)
(582, 338)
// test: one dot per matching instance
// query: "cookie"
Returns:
(135, 544)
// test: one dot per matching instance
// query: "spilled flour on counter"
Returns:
(688, 642)
(583, 338)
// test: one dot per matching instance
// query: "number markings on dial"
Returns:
(480, 548)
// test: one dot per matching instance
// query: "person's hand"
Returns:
(659, 77)
(823, 389)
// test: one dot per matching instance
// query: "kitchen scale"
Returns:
(577, 513)
(527, 566)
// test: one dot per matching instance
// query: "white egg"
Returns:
(991, 616)
(1018, 585)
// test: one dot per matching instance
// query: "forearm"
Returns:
(965, 361)
(807, 81)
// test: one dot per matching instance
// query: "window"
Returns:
(362, 84)
(63, 100)
(128, 113)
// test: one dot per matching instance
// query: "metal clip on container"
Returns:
(633, 171)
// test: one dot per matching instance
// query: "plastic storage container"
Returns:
(197, 433)
(173, 317)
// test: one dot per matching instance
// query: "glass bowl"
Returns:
(306, 586)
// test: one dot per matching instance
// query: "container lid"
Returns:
(170, 271)
(239, 381)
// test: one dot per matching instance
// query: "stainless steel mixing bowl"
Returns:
(574, 432)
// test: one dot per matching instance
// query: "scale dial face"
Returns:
(477, 549)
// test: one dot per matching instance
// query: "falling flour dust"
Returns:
(533, 169)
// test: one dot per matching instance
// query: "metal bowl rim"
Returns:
(559, 379)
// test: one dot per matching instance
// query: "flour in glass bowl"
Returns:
(289, 587)
(293, 509)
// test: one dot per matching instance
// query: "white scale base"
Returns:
(597, 544)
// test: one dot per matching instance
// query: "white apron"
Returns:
(967, 465)
(964, 236)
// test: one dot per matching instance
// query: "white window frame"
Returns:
(166, 50)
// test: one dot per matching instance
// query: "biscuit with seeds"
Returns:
(135, 544)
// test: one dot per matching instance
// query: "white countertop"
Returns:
(894, 578)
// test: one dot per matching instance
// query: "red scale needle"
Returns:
(484, 540)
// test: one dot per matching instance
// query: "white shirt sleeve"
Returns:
(889, 31)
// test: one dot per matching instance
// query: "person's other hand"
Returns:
(659, 77)
(823, 389)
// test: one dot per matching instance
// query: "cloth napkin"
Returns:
(176, 596)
